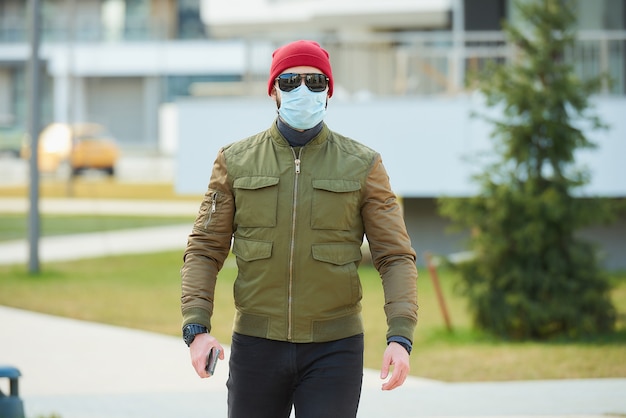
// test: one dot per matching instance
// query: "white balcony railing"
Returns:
(438, 63)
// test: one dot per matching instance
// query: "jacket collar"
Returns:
(279, 139)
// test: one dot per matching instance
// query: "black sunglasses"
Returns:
(314, 81)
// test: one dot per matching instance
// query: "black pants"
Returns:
(320, 380)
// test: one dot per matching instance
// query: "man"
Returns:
(296, 200)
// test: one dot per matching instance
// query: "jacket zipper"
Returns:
(293, 239)
(212, 210)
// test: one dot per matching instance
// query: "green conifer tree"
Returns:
(532, 277)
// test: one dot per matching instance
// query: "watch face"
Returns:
(190, 332)
(188, 336)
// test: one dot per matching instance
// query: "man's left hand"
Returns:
(396, 356)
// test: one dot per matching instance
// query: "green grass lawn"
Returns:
(148, 289)
(15, 226)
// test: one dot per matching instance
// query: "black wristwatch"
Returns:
(191, 330)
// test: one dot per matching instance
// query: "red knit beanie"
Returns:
(299, 53)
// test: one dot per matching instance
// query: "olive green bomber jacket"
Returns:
(297, 217)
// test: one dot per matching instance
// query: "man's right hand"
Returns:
(199, 349)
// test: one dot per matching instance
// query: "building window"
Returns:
(190, 24)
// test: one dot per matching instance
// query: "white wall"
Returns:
(266, 17)
(424, 142)
(206, 125)
(143, 58)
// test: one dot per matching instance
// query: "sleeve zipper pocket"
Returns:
(212, 210)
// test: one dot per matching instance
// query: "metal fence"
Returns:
(423, 64)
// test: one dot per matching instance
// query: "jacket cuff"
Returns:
(197, 316)
(404, 342)
(401, 326)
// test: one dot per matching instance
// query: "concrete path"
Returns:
(89, 245)
(80, 369)
(76, 206)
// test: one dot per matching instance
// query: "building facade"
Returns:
(107, 61)
(117, 61)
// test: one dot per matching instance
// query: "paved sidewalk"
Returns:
(75, 206)
(80, 369)
(97, 244)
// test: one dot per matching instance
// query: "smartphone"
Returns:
(211, 360)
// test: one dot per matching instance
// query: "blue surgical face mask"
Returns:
(301, 108)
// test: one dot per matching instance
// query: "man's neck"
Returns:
(295, 137)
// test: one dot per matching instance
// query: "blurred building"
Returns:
(116, 61)
(108, 61)
(136, 66)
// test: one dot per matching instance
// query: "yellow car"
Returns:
(82, 145)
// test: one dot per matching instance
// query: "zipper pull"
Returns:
(212, 210)
(296, 159)
(297, 165)
(214, 202)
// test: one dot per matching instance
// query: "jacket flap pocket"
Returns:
(249, 250)
(337, 186)
(252, 183)
(338, 254)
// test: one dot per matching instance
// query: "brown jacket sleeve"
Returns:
(392, 254)
(207, 248)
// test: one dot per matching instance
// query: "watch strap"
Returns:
(191, 330)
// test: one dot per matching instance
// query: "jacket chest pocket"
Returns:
(256, 200)
(335, 204)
